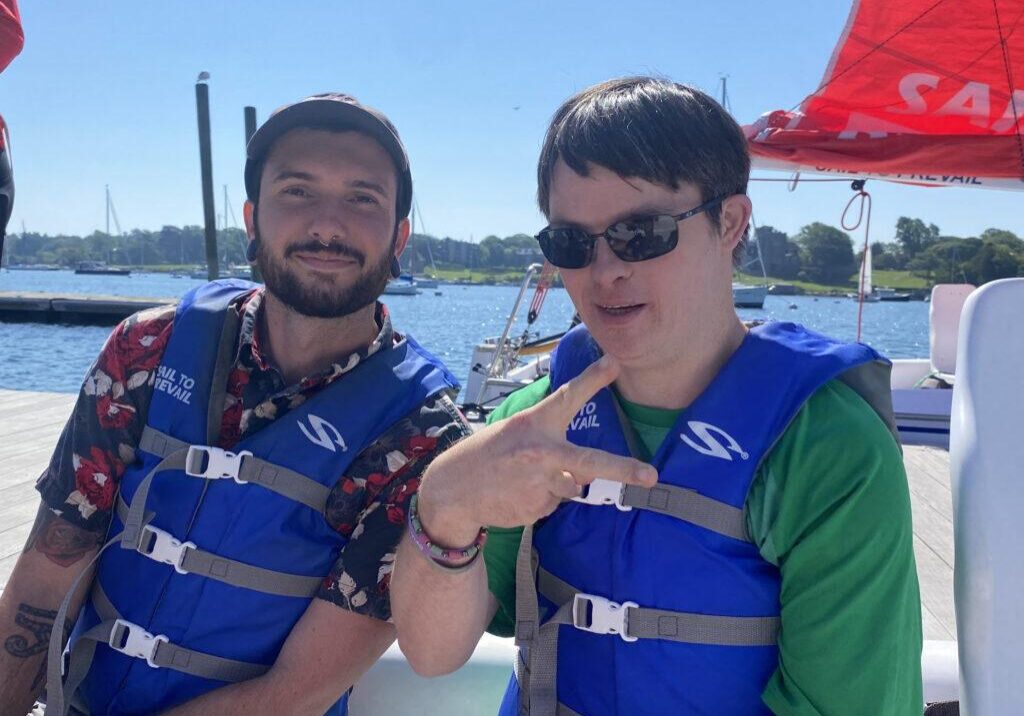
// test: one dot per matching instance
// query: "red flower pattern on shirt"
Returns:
(96, 478)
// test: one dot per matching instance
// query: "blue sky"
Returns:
(103, 94)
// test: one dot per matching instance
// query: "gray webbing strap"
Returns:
(689, 506)
(538, 644)
(137, 516)
(57, 695)
(227, 351)
(688, 627)
(206, 564)
(160, 444)
(285, 482)
(679, 502)
(171, 656)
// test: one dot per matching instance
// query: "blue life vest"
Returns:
(671, 571)
(250, 524)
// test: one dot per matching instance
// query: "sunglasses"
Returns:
(635, 239)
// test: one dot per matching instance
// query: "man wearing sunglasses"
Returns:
(688, 516)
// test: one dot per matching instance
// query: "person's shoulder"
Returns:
(520, 400)
(138, 342)
(836, 463)
(836, 432)
(836, 416)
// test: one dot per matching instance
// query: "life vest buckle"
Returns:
(214, 463)
(132, 640)
(601, 616)
(603, 492)
(161, 546)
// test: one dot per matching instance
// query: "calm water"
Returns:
(55, 358)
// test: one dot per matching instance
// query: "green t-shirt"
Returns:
(830, 506)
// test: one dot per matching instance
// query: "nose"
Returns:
(606, 268)
(327, 223)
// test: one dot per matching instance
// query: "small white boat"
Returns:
(426, 282)
(501, 365)
(401, 287)
(748, 296)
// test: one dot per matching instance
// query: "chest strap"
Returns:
(537, 670)
(187, 558)
(679, 502)
(156, 650)
(139, 535)
(213, 463)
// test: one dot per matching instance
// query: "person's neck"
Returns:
(675, 383)
(300, 346)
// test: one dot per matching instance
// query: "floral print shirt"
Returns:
(367, 504)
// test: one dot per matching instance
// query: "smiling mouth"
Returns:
(326, 258)
(620, 309)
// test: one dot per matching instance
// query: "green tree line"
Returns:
(186, 246)
(818, 252)
(824, 254)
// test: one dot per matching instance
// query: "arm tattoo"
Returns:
(39, 622)
(62, 542)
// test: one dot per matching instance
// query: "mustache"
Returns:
(315, 247)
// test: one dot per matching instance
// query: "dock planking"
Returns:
(36, 307)
(30, 424)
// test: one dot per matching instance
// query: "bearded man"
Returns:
(248, 454)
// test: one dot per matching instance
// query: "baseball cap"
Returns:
(333, 110)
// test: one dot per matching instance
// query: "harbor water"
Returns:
(448, 320)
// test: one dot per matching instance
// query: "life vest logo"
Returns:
(326, 435)
(586, 418)
(707, 444)
(175, 383)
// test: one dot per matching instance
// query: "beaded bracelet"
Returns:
(447, 558)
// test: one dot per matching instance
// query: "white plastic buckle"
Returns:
(219, 463)
(601, 616)
(604, 492)
(132, 640)
(163, 547)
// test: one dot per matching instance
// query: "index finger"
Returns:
(559, 408)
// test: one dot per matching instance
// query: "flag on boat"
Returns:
(919, 91)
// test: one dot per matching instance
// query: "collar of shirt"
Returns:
(249, 346)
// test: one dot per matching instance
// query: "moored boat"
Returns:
(100, 268)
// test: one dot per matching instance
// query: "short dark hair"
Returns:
(653, 129)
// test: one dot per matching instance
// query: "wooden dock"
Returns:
(31, 422)
(34, 307)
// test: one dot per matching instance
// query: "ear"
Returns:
(249, 217)
(736, 211)
(402, 237)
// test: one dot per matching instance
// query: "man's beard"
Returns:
(319, 298)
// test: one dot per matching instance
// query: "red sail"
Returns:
(11, 36)
(919, 90)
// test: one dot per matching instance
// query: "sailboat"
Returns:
(424, 281)
(923, 92)
(866, 292)
(100, 268)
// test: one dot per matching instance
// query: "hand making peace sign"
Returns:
(516, 471)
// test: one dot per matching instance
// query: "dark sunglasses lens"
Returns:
(643, 238)
(566, 248)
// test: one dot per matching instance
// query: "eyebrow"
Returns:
(288, 174)
(370, 185)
